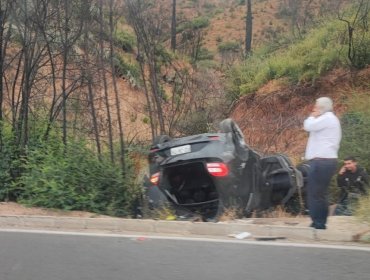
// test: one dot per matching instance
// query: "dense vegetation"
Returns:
(63, 140)
(48, 175)
(61, 134)
(305, 59)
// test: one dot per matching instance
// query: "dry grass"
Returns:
(166, 212)
(278, 212)
(230, 214)
(363, 209)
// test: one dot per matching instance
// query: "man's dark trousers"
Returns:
(320, 173)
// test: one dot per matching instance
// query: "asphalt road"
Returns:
(41, 256)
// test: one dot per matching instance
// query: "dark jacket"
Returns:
(353, 182)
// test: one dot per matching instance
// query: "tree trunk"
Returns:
(105, 86)
(173, 26)
(90, 89)
(155, 90)
(118, 106)
(2, 27)
(5, 9)
(249, 28)
(147, 96)
(64, 72)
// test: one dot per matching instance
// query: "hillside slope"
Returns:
(271, 119)
(271, 20)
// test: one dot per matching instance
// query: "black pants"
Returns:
(320, 173)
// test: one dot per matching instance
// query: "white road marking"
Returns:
(144, 237)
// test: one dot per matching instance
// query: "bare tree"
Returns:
(88, 73)
(170, 86)
(357, 27)
(305, 13)
(148, 29)
(30, 15)
(197, 101)
(103, 71)
(70, 31)
(192, 38)
(5, 32)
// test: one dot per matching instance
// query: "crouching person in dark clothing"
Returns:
(353, 182)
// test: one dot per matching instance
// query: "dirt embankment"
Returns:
(271, 118)
(15, 209)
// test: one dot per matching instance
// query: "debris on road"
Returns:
(241, 235)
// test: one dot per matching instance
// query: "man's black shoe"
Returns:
(320, 226)
(317, 226)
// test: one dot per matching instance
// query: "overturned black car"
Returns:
(207, 174)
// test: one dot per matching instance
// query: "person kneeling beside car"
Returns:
(353, 182)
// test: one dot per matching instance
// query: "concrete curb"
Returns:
(185, 228)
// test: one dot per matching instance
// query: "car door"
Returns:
(280, 180)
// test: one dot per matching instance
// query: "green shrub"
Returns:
(194, 123)
(207, 64)
(195, 24)
(124, 40)
(46, 174)
(126, 69)
(205, 54)
(303, 61)
(230, 46)
(356, 140)
(361, 57)
(356, 137)
(209, 6)
(8, 163)
(283, 12)
(73, 180)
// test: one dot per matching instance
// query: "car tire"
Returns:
(241, 149)
(226, 126)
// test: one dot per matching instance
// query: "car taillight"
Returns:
(217, 169)
(214, 137)
(154, 179)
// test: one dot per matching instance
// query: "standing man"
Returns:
(322, 154)
(353, 182)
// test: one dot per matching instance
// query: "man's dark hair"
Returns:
(352, 158)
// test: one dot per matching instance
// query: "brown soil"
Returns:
(15, 209)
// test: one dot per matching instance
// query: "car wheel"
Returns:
(241, 149)
(226, 126)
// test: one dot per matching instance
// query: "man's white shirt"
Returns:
(325, 135)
